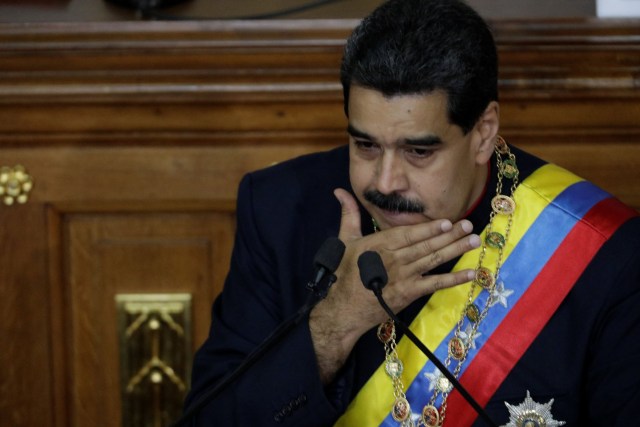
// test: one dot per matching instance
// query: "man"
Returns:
(536, 272)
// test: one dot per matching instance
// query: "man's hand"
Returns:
(408, 252)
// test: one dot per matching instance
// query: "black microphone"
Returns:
(326, 261)
(374, 277)
(372, 272)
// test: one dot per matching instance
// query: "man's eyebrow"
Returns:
(427, 141)
(358, 133)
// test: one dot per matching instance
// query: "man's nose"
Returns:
(391, 175)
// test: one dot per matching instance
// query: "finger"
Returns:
(409, 235)
(445, 254)
(432, 283)
(350, 220)
(434, 247)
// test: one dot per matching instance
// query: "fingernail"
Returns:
(446, 225)
(474, 240)
(471, 275)
(467, 226)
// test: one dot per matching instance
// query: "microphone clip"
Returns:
(321, 288)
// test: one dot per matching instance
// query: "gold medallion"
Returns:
(509, 169)
(444, 385)
(394, 367)
(430, 416)
(503, 204)
(401, 409)
(457, 348)
(501, 145)
(473, 313)
(484, 278)
(495, 240)
(386, 331)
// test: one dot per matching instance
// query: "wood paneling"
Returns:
(26, 377)
(137, 134)
(132, 253)
(101, 10)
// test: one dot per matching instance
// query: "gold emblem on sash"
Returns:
(473, 313)
(457, 349)
(485, 278)
(430, 416)
(401, 410)
(502, 204)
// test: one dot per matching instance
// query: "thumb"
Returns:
(350, 220)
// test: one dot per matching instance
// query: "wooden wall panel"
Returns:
(98, 177)
(132, 253)
(26, 376)
(143, 130)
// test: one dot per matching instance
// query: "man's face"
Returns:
(408, 164)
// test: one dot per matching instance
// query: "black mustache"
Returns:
(393, 202)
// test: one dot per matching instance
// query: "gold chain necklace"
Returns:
(458, 347)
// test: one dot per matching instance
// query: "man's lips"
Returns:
(394, 218)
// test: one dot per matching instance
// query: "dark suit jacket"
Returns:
(587, 358)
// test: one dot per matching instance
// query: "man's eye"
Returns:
(364, 145)
(419, 152)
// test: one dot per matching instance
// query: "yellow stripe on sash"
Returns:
(439, 316)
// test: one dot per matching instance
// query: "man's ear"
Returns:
(486, 130)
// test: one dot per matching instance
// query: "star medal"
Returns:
(531, 414)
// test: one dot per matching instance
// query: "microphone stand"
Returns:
(378, 293)
(319, 292)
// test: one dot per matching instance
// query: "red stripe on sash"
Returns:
(504, 348)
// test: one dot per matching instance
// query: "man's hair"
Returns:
(420, 46)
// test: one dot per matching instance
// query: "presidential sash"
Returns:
(558, 226)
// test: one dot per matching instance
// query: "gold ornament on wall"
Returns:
(154, 331)
(15, 185)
